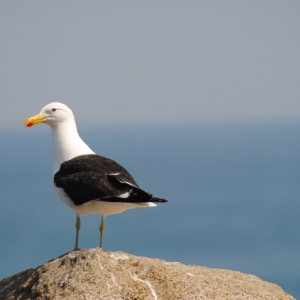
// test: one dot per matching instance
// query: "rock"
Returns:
(94, 274)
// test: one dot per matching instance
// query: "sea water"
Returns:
(233, 191)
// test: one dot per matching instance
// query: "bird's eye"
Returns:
(53, 109)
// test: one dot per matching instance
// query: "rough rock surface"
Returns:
(94, 274)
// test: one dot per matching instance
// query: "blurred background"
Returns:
(199, 100)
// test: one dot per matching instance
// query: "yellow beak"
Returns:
(35, 120)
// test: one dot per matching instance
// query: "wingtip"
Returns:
(154, 199)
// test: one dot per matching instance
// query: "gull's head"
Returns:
(52, 114)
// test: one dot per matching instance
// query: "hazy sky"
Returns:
(151, 62)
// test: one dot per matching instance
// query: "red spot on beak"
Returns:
(29, 125)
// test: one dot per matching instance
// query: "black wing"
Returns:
(93, 177)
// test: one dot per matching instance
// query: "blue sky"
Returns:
(151, 62)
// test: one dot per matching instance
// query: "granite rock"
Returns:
(95, 274)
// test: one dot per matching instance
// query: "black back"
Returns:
(93, 177)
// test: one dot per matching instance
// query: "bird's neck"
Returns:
(67, 144)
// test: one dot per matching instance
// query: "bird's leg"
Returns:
(78, 225)
(102, 228)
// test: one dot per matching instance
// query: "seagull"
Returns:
(84, 181)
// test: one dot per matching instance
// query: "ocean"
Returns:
(233, 192)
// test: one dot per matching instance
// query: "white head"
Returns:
(52, 114)
(66, 142)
